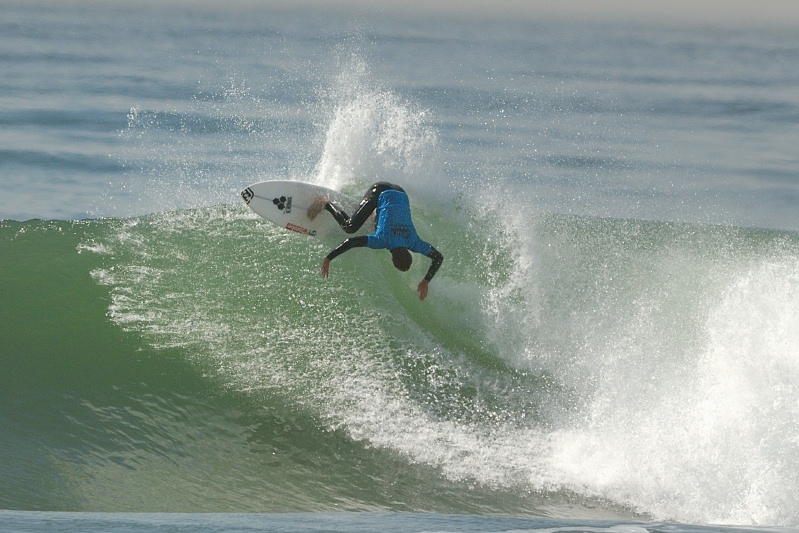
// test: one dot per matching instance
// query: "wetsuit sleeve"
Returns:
(437, 258)
(352, 242)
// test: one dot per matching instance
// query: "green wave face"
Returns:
(196, 361)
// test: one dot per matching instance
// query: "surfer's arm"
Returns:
(352, 242)
(437, 258)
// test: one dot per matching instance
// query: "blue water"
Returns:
(612, 343)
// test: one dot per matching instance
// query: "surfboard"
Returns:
(285, 203)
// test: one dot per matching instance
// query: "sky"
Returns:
(712, 12)
(782, 13)
(706, 11)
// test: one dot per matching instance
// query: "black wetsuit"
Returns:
(394, 227)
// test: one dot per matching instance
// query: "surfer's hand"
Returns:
(422, 288)
(325, 271)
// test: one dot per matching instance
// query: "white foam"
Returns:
(373, 134)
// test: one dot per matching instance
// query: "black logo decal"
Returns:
(401, 231)
(283, 203)
(247, 195)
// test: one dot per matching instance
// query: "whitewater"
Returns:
(611, 344)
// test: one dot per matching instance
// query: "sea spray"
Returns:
(675, 347)
(373, 134)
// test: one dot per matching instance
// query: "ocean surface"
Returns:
(612, 343)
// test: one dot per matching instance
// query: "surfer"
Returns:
(394, 230)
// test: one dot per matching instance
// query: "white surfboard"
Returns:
(286, 203)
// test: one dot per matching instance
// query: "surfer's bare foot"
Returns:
(316, 207)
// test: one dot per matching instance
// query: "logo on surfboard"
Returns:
(247, 195)
(300, 229)
(283, 203)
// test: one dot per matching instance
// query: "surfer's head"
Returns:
(402, 259)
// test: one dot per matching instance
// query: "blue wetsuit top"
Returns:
(394, 227)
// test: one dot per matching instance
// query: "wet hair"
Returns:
(401, 258)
